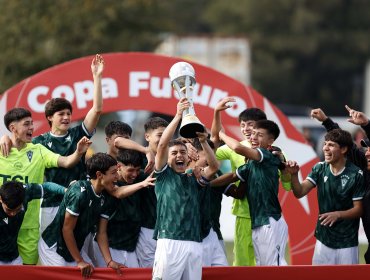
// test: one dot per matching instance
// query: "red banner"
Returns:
(339, 272)
(139, 81)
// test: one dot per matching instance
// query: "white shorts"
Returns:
(213, 253)
(88, 251)
(16, 261)
(49, 256)
(126, 258)
(145, 247)
(177, 259)
(269, 242)
(323, 255)
(47, 215)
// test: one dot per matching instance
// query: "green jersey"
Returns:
(205, 211)
(82, 202)
(63, 145)
(262, 179)
(337, 193)
(178, 214)
(10, 225)
(216, 202)
(124, 220)
(28, 166)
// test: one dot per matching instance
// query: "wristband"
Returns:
(228, 187)
(109, 262)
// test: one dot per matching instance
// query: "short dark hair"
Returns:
(130, 157)
(12, 193)
(252, 114)
(117, 127)
(154, 123)
(342, 137)
(176, 142)
(55, 105)
(15, 115)
(271, 127)
(99, 162)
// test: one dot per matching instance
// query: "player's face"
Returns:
(110, 177)
(260, 138)
(246, 128)
(11, 212)
(128, 173)
(367, 155)
(333, 152)
(23, 129)
(61, 121)
(153, 137)
(178, 158)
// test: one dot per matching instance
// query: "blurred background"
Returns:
(300, 54)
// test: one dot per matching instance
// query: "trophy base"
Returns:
(190, 130)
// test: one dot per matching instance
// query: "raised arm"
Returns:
(213, 164)
(124, 143)
(74, 158)
(327, 122)
(119, 192)
(359, 118)
(92, 117)
(162, 150)
(299, 189)
(216, 122)
(239, 148)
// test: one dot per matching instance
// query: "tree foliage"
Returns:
(303, 52)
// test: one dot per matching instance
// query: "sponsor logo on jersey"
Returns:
(6, 220)
(29, 155)
(325, 179)
(50, 144)
(344, 179)
(18, 165)
(19, 178)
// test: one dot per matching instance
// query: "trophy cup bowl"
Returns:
(182, 77)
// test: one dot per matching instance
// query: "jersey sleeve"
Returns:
(359, 188)
(242, 172)
(53, 188)
(50, 159)
(314, 175)
(73, 199)
(33, 191)
(223, 152)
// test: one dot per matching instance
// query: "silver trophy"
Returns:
(182, 77)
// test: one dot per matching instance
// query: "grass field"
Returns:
(229, 252)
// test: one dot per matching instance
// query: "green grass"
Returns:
(230, 257)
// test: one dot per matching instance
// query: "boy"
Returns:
(179, 251)
(146, 245)
(269, 229)
(340, 189)
(243, 245)
(120, 221)
(61, 242)
(27, 163)
(14, 198)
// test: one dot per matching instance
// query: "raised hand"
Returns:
(318, 114)
(202, 136)
(291, 167)
(149, 181)
(83, 145)
(97, 65)
(150, 157)
(182, 105)
(356, 117)
(225, 103)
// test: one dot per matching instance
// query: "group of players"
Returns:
(122, 209)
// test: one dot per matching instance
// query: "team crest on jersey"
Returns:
(325, 179)
(83, 189)
(50, 144)
(29, 155)
(68, 138)
(344, 179)
(6, 220)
